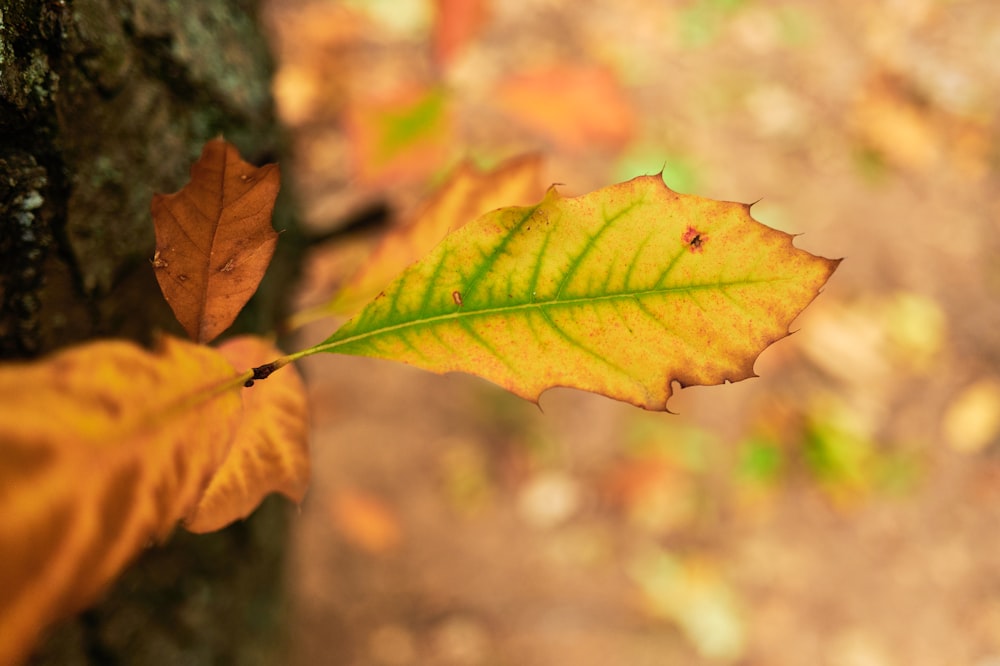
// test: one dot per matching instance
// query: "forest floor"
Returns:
(842, 509)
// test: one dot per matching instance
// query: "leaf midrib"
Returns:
(464, 312)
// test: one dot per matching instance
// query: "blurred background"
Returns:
(842, 509)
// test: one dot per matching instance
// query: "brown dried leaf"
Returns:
(110, 447)
(270, 450)
(214, 239)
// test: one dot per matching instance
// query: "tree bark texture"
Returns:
(102, 103)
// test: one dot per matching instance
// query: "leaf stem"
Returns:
(246, 379)
(262, 372)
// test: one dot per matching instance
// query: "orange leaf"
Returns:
(270, 449)
(456, 23)
(327, 268)
(466, 195)
(574, 106)
(110, 447)
(365, 520)
(214, 239)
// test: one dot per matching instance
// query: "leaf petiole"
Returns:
(265, 371)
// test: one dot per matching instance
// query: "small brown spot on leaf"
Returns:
(182, 278)
(228, 267)
(457, 297)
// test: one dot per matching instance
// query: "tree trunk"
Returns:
(103, 102)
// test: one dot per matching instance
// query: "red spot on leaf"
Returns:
(694, 239)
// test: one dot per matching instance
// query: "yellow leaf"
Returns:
(972, 420)
(466, 195)
(270, 450)
(103, 448)
(621, 292)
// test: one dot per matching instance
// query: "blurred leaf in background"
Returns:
(679, 172)
(692, 593)
(846, 460)
(403, 136)
(575, 106)
(465, 476)
(456, 23)
(365, 520)
(701, 21)
(972, 420)
(659, 484)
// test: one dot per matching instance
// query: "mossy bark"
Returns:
(103, 102)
